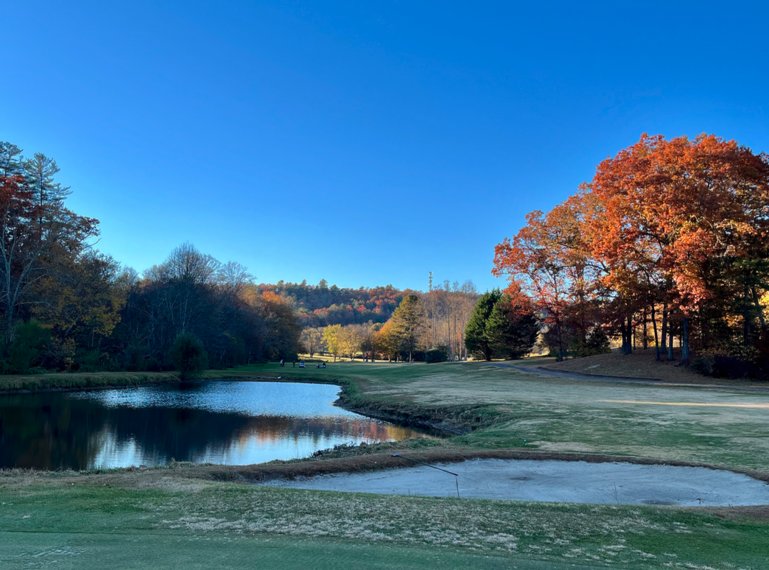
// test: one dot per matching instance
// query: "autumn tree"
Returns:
(407, 325)
(312, 340)
(548, 261)
(685, 223)
(387, 342)
(675, 230)
(35, 229)
(448, 309)
(331, 336)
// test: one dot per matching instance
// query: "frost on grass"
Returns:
(593, 534)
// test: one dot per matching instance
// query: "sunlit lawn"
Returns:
(726, 427)
(169, 522)
(171, 517)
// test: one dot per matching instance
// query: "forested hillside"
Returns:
(322, 305)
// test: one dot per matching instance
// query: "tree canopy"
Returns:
(668, 232)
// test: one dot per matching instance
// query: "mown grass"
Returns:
(506, 407)
(68, 519)
(398, 531)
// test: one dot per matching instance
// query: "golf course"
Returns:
(196, 515)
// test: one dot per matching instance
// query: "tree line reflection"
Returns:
(58, 431)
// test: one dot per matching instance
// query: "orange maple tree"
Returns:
(678, 225)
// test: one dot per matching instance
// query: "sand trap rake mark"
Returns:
(417, 462)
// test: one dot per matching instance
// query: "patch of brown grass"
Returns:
(641, 364)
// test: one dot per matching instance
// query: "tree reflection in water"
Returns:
(230, 423)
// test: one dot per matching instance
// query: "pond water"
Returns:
(221, 422)
(554, 481)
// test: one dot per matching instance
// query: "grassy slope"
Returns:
(81, 519)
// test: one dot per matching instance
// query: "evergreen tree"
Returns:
(477, 337)
(502, 326)
(511, 328)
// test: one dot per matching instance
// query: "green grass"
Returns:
(81, 380)
(724, 427)
(54, 522)
(80, 520)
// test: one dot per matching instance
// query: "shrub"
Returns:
(27, 348)
(437, 354)
(188, 355)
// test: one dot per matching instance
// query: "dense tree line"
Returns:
(668, 246)
(65, 306)
(321, 305)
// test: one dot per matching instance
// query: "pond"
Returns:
(220, 422)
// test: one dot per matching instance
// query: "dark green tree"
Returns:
(188, 355)
(27, 347)
(501, 325)
(512, 327)
(477, 337)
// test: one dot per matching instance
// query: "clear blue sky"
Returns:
(362, 142)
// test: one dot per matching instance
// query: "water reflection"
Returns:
(231, 423)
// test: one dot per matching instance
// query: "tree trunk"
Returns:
(685, 341)
(664, 334)
(759, 308)
(645, 339)
(656, 337)
(627, 332)
(746, 318)
(670, 342)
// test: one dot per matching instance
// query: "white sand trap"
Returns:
(554, 481)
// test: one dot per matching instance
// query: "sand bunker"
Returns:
(554, 481)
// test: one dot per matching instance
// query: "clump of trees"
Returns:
(65, 306)
(447, 311)
(501, 326)
(424, 326)
(668, 242)
(193, 293)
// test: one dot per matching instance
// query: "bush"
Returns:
(437, 354)
(596, 342)
(27, 348)
(188, 355)
(725, 366)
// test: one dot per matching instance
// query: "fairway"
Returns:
(201, 516)
(725, 427)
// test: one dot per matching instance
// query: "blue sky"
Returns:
(361, 142)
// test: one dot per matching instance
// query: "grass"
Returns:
(81, 380)
(55, 520)
(193, 515)
(506, 407)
